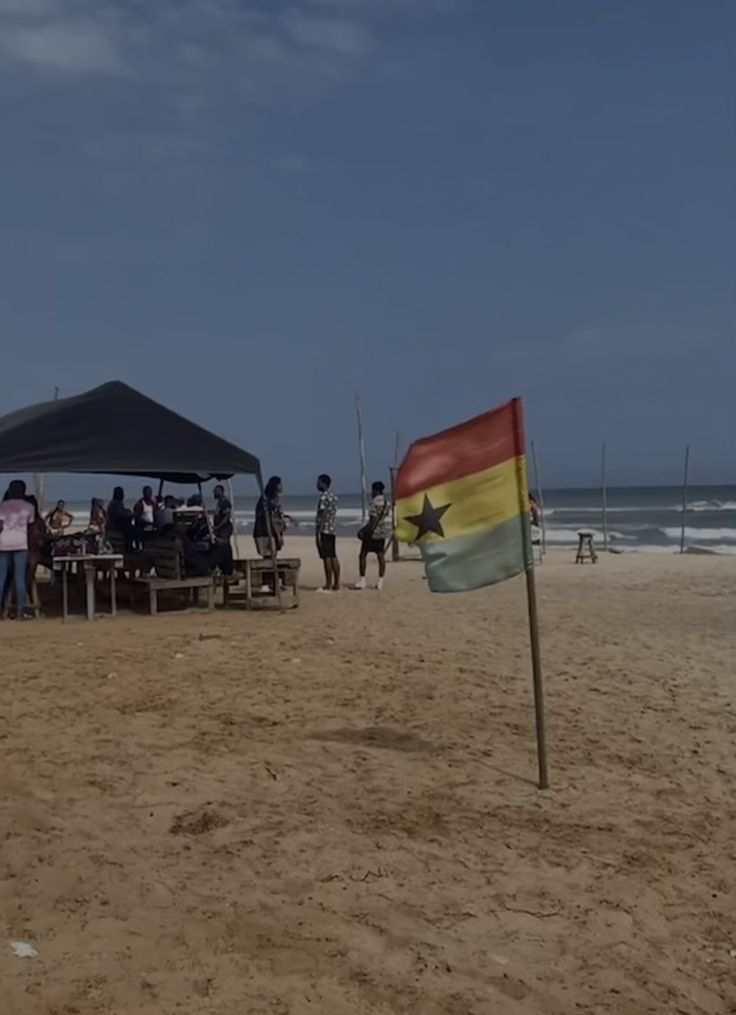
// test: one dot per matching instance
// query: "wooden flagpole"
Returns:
(531, 595)
(684, 499)
(604, 496)
(540, 494)
(361, 451)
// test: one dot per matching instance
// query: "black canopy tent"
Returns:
(115, 430)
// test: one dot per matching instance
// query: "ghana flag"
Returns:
(462, 497)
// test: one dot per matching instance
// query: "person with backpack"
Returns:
(374, 534)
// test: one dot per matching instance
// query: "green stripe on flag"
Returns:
(476, 559)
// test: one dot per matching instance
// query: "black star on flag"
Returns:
(429, 519)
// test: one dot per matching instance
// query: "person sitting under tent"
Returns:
(144, 511)
(59, 520)
(222, 530)
(119, 517)
(97, 517)
(222, 522)
(165, 515)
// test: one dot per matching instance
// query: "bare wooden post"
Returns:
(397, 448)
(394, 540)
(540, 494)
(531, 596)
(604, 497)
(684, 499)
(361, 451)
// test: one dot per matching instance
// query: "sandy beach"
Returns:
(334, 811)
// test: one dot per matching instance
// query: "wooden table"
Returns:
(90, 563)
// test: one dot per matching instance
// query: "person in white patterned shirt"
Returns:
(374, 534)
(325, 524)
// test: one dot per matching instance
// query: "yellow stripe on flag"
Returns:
(481, 500)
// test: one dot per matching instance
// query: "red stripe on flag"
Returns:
(479, 444)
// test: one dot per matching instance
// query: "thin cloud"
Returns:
(338, 35)
(82, 47)
(186, 55)
(124, 36)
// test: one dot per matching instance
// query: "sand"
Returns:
(334, 811)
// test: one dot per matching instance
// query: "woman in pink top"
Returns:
(16, 514)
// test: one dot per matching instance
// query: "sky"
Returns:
(251, 209)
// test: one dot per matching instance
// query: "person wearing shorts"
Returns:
(270, 522)
(325, 524)
(373, 536)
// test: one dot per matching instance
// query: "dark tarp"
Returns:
(116, 430)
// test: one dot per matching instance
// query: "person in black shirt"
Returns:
(120, 517)
(222, 528)
(222, 523)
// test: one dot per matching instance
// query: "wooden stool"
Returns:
(586, 550)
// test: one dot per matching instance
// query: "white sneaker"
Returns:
(379, 584)
(324, 592)
(360, 584)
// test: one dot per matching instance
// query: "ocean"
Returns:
(640, 519)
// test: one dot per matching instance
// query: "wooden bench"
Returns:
(170, 576)
(257, 573)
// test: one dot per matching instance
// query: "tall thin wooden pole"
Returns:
(540, 495)
(604, 496)
(684, 499)
(397, 449)
(361, 451)
(531, 596)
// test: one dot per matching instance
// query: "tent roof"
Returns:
(116, 430)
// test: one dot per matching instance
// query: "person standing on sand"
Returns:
(16, 518)
(325, 524)
(373, 536)
(269, 509)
